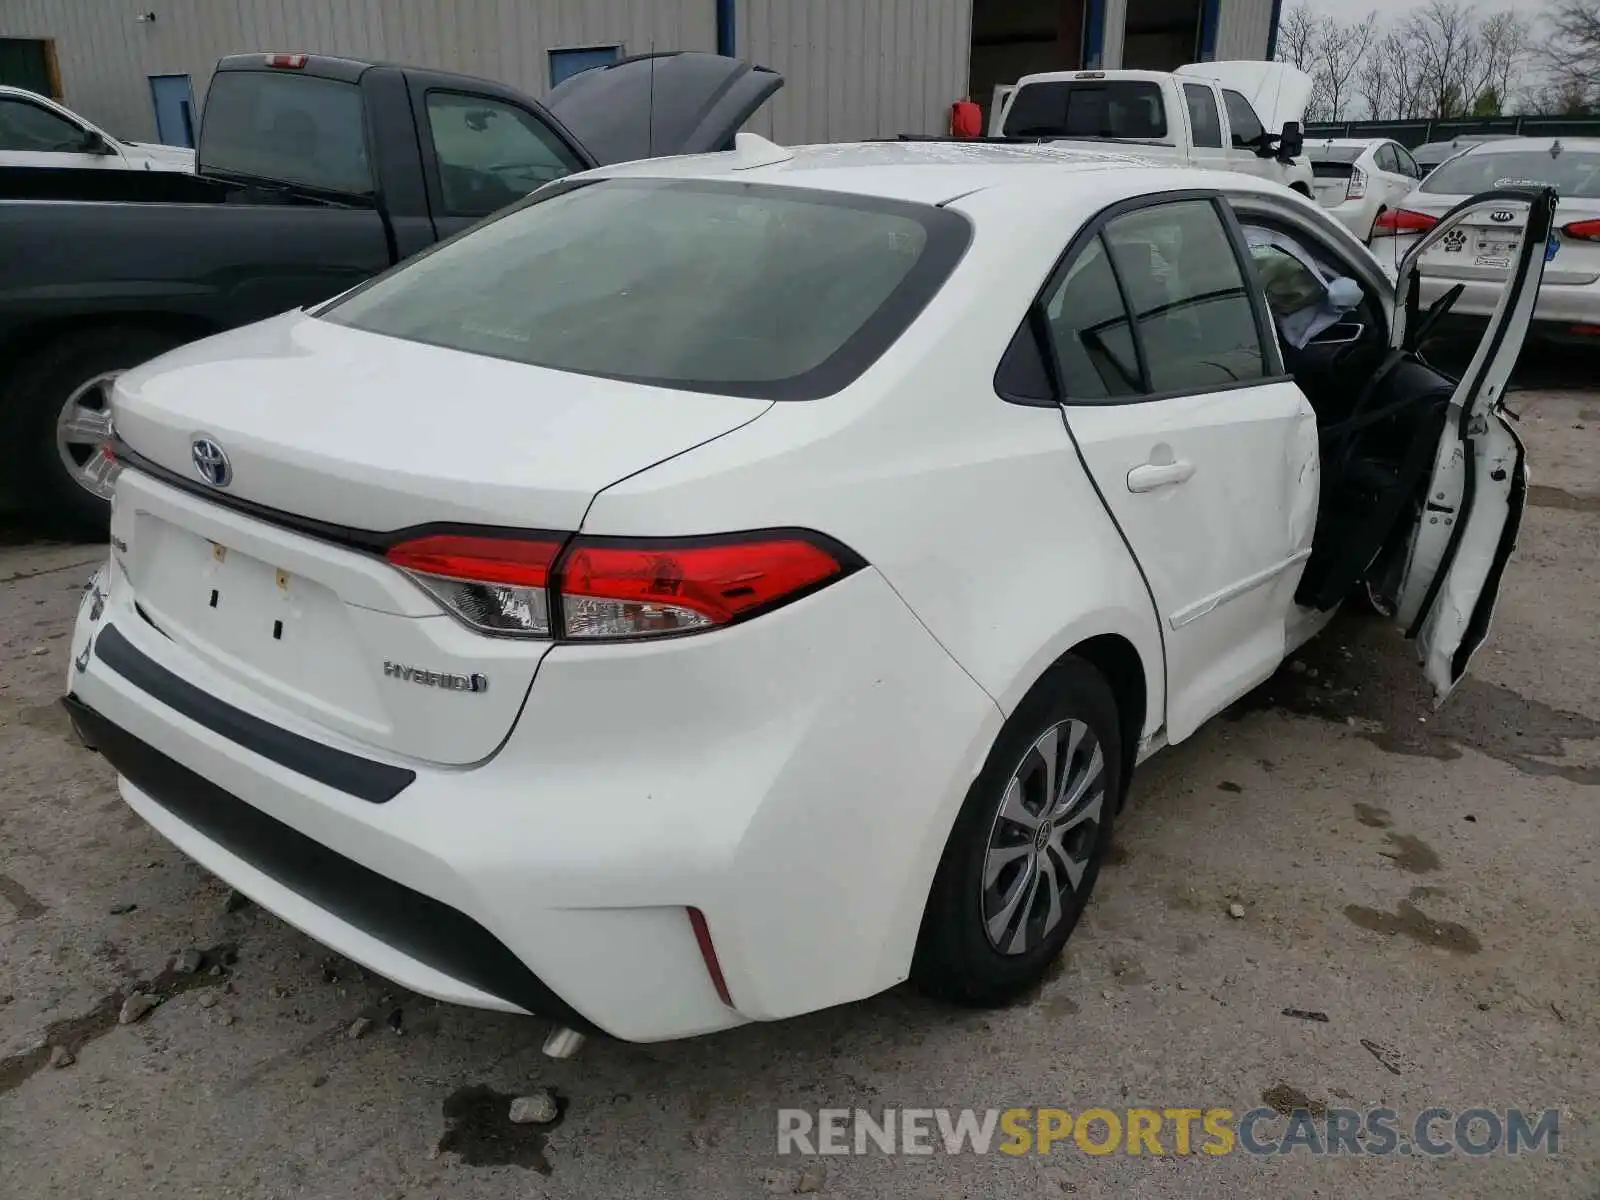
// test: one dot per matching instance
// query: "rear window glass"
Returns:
(286, 127)
(1334, 154)
(1120, 109)
(1573, 173)
(739, 289)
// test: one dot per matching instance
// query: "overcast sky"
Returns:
(1349, 8)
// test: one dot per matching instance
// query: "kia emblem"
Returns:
(1502, 215)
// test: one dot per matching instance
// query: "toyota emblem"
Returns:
(211, 462)
(1502, 215)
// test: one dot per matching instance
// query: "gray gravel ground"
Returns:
(1428, 881)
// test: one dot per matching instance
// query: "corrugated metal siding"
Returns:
(1116, 27)
(857, 69)
(1242, 29)
(106, 57)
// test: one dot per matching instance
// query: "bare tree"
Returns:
(1330, 51)
(1341, 50)
(1570, 57)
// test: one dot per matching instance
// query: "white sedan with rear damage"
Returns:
(723, 587)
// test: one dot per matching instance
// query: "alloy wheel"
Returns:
(1043, 837)
(83, 427)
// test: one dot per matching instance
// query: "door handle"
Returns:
(1149, 476)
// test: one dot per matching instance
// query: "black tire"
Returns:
(41, 386)
(956, 958)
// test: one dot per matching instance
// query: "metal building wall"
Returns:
(1242, 29)
(857, 69)
(105, 56)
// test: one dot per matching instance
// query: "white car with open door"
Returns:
(1467, 269)
(1358, 179)
(38, 132)
(758, 574)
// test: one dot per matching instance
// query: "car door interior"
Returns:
(1379, 413)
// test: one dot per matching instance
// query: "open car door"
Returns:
(1448, 578)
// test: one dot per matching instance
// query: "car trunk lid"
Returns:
(339, 442)
(1482, 247)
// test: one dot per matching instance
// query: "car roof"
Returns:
(1525, 144)
(934, 172)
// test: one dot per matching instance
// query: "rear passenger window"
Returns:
(1204, 124)
(1385, 159)
(1090, 331)
(1192, 312)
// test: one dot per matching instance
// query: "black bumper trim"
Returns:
(362, 778)
(416, 925)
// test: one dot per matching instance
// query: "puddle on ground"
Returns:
(1287, 1100)
(1543, 496)
(478, 1128)
(1360, 673)
(1373, 817)
(1417, 925)
(74, 1033)
(1411, 854)
(27, 907)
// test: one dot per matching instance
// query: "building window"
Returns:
(564, 64)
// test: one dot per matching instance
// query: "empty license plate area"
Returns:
(276, 631)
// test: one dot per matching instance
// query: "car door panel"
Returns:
(1205, 457)
(1222, 533)
(1467, 526)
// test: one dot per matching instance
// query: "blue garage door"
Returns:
(566, 63)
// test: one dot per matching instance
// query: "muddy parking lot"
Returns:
(1421, 890)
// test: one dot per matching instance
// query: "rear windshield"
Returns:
(286, 127)
(1573, 173)
(1112, 109)
(1333, 170)
(739, 289)
(1334, 154)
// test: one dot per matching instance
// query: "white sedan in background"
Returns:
(719, 588)
(1356, 179)
(38, 132)
(1479, 254)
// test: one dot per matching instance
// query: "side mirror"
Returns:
(1293, 142)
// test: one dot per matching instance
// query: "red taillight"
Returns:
(1584, 330)
(613, 588)
(1583, 231)
(1394, 221)
(708, 952)
(287, 62)
(497, 585)
(610, 588)
(516, 561)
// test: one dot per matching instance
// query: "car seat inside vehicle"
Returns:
(1379, 414)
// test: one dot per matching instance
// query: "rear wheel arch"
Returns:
(1118, 661)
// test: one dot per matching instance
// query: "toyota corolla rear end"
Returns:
(359, 651)
(1478, 256)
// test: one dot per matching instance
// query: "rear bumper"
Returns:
(1560, 306)
(794, 778)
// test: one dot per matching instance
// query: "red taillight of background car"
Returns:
(1395, 221)
(1583, 231)
(602, 589)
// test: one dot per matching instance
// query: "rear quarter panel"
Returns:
(977, 511)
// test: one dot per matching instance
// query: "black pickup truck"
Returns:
(313, 173)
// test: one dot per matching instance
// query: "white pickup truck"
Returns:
(1230, 116)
